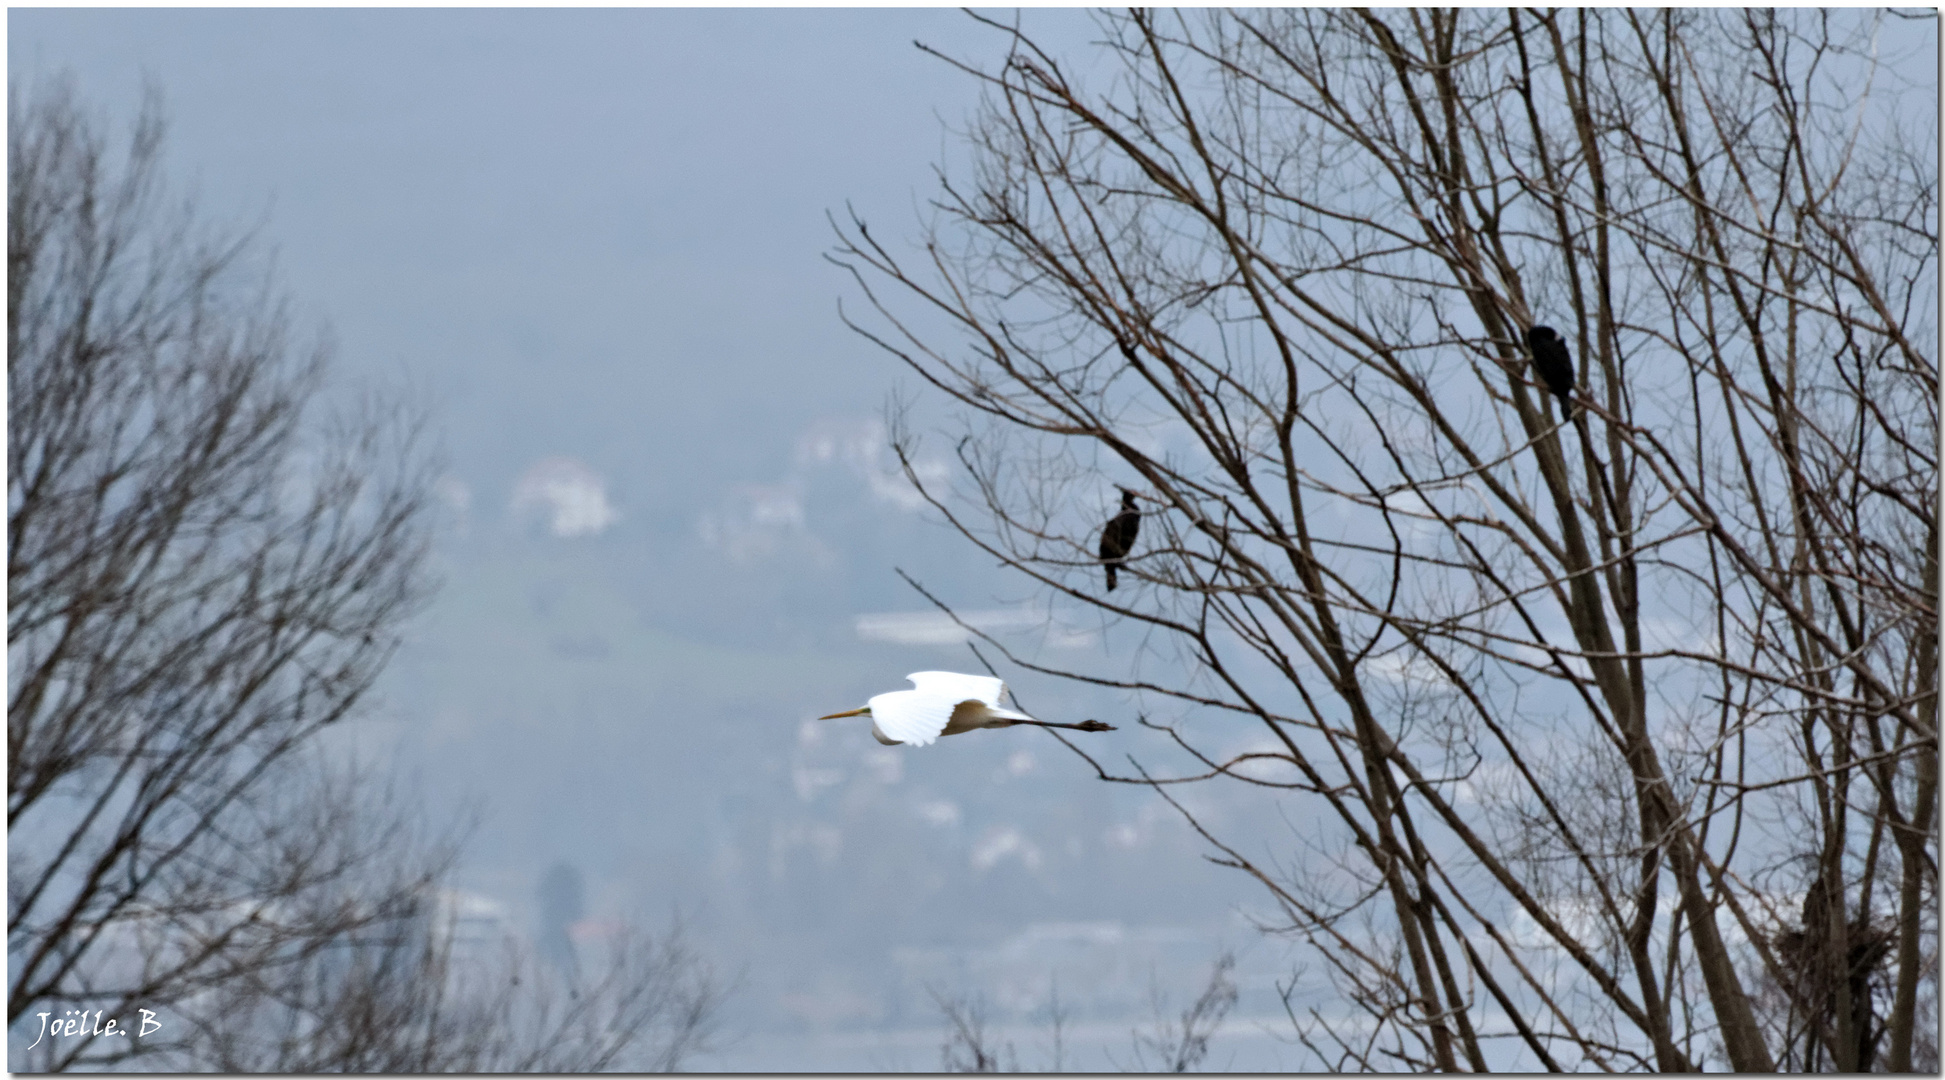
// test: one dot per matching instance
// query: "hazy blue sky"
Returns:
(598, 235)
(618, 208)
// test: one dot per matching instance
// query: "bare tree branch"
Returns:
(1555, 693)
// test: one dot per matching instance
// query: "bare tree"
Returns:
(207, 567)
(202, 573)
(968, 1047)
(1578, 711)
(1170, 1044)
(1181, 1045)
(415, 993)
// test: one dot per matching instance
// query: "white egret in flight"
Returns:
(946, 703)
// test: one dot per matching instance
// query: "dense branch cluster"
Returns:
(198, 582)
(1585, 709)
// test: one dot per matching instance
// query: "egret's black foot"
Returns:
(1094, 725)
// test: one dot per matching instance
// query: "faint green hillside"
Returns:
(518, 633)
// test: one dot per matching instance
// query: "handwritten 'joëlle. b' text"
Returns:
(77, 1022)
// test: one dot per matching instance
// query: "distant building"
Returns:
(563, 900)
(565, 493)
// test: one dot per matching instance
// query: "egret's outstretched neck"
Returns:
(1085, 725)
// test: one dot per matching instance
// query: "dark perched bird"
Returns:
(1118, 538)
(1555, 367)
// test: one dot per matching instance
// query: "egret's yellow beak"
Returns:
(866, 711)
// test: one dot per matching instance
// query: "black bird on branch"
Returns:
(1118, 538)
(1554, 365)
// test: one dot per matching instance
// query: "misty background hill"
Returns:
(590, 243)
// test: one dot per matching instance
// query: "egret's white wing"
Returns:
(911, 716)
(951, 684)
